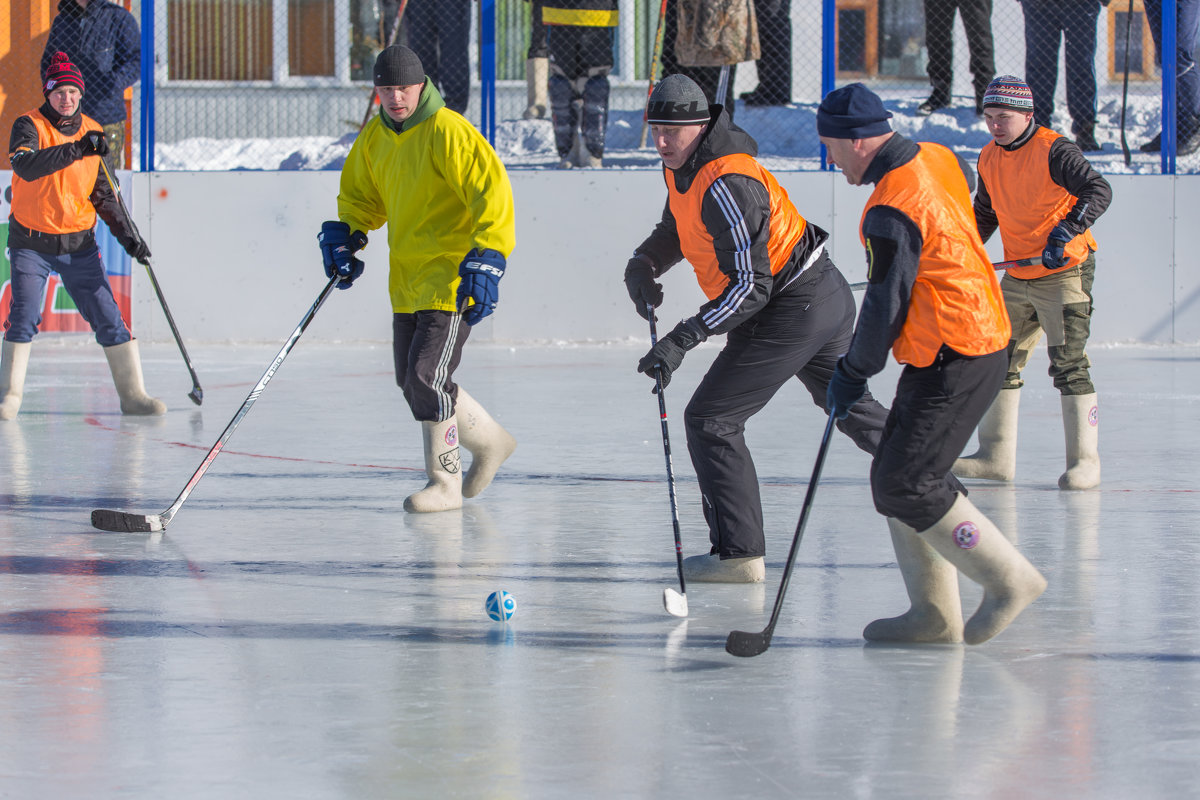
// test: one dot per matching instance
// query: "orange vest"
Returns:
(59, 202)
(1028, 204)
(956, 299)
(696, 243)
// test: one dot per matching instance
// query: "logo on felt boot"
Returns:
(449, 461)
(966, 535)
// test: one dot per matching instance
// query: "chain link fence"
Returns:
(286, 84)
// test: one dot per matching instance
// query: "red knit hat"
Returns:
(61, 71)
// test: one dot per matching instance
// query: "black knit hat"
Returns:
(677, 100)
(61, 71)
(398, 66)
(852, 112)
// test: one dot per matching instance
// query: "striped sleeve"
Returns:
(736, 212)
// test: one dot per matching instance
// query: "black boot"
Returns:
(1085, 137)
(938, 99)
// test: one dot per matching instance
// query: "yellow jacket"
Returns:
(442, 191)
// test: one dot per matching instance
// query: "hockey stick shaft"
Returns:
(662, 413)
(743, 643)
(999, 266)
(121, 522)
(391, 41)
(654, 59)
(196, 394)
(1125, 85)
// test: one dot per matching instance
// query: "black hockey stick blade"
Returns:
(120, 522)
(743, 643)
(196, 395)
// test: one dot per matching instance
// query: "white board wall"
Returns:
(236, 256)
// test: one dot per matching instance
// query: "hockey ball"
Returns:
(500, 605)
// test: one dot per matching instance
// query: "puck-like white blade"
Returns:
(675, 603)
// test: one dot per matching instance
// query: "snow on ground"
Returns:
(786, 136)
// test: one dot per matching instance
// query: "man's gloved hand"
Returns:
(480, 274)
(338, 247)
(138, 250)
(1053, 256)
(666, 356)
(643, 290)
(93, 143)
(844, 391)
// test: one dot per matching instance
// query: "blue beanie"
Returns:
(852, 112)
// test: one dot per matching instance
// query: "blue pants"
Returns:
(83, 276)
(1187, 88)
(440, 34)
(1046, 23)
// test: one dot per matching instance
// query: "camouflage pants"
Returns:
(115, 133)
(1061, 305)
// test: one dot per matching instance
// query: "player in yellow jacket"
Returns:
(57, 193)
(444, 194)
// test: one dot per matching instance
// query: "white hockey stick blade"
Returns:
(120, 522)
(675, 603)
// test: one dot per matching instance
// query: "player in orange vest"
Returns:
(933, 300)
(772, 289)
(1036, 186)
(57, 192)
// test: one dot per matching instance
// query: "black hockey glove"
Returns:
(643, 290)
(1053, 256)
(666, 356)
(138, 250)
(843, 391)
(93, 143)
(338, 247)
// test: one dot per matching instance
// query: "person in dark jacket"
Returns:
(580, 38)
(1037, 188)
(102, 39)
(57, 193)
(785, 308)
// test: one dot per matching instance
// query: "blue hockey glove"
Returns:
(480, 272)
(843, 391)
(338, 247)
(642, 288)
(1053, 256)
(666, 356)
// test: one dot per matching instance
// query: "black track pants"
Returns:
(935, 410)
(800, 333)
(427, 347)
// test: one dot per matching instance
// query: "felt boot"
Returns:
(14, 359)
(932, 584)
(444, 490)
(484, 438)
(996, 459)
(969, 541)
(126, 367)
(537, 78)
(1081, 422)
(710, 568)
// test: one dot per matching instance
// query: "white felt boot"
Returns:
(444, 490)
(126, 367)
(14, 359)
(537, 77)
(1081, 421)
(969, 541)
(709, 568)
(484, 438)
(932, 584)
(996, 459)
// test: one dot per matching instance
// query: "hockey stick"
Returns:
(391, 41)
(121, 522)
(1125, 84)
(196, 394)
(654, 59)
(744, 643)
(674, 602)
(999, 266)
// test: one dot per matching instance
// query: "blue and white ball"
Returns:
(500, 605)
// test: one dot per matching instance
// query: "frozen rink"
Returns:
(295, 634)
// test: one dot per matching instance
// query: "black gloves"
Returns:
(138, 250)
(1053, 256)
(667, 355)
(843, 391)
(93, 143)
(643, 291)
